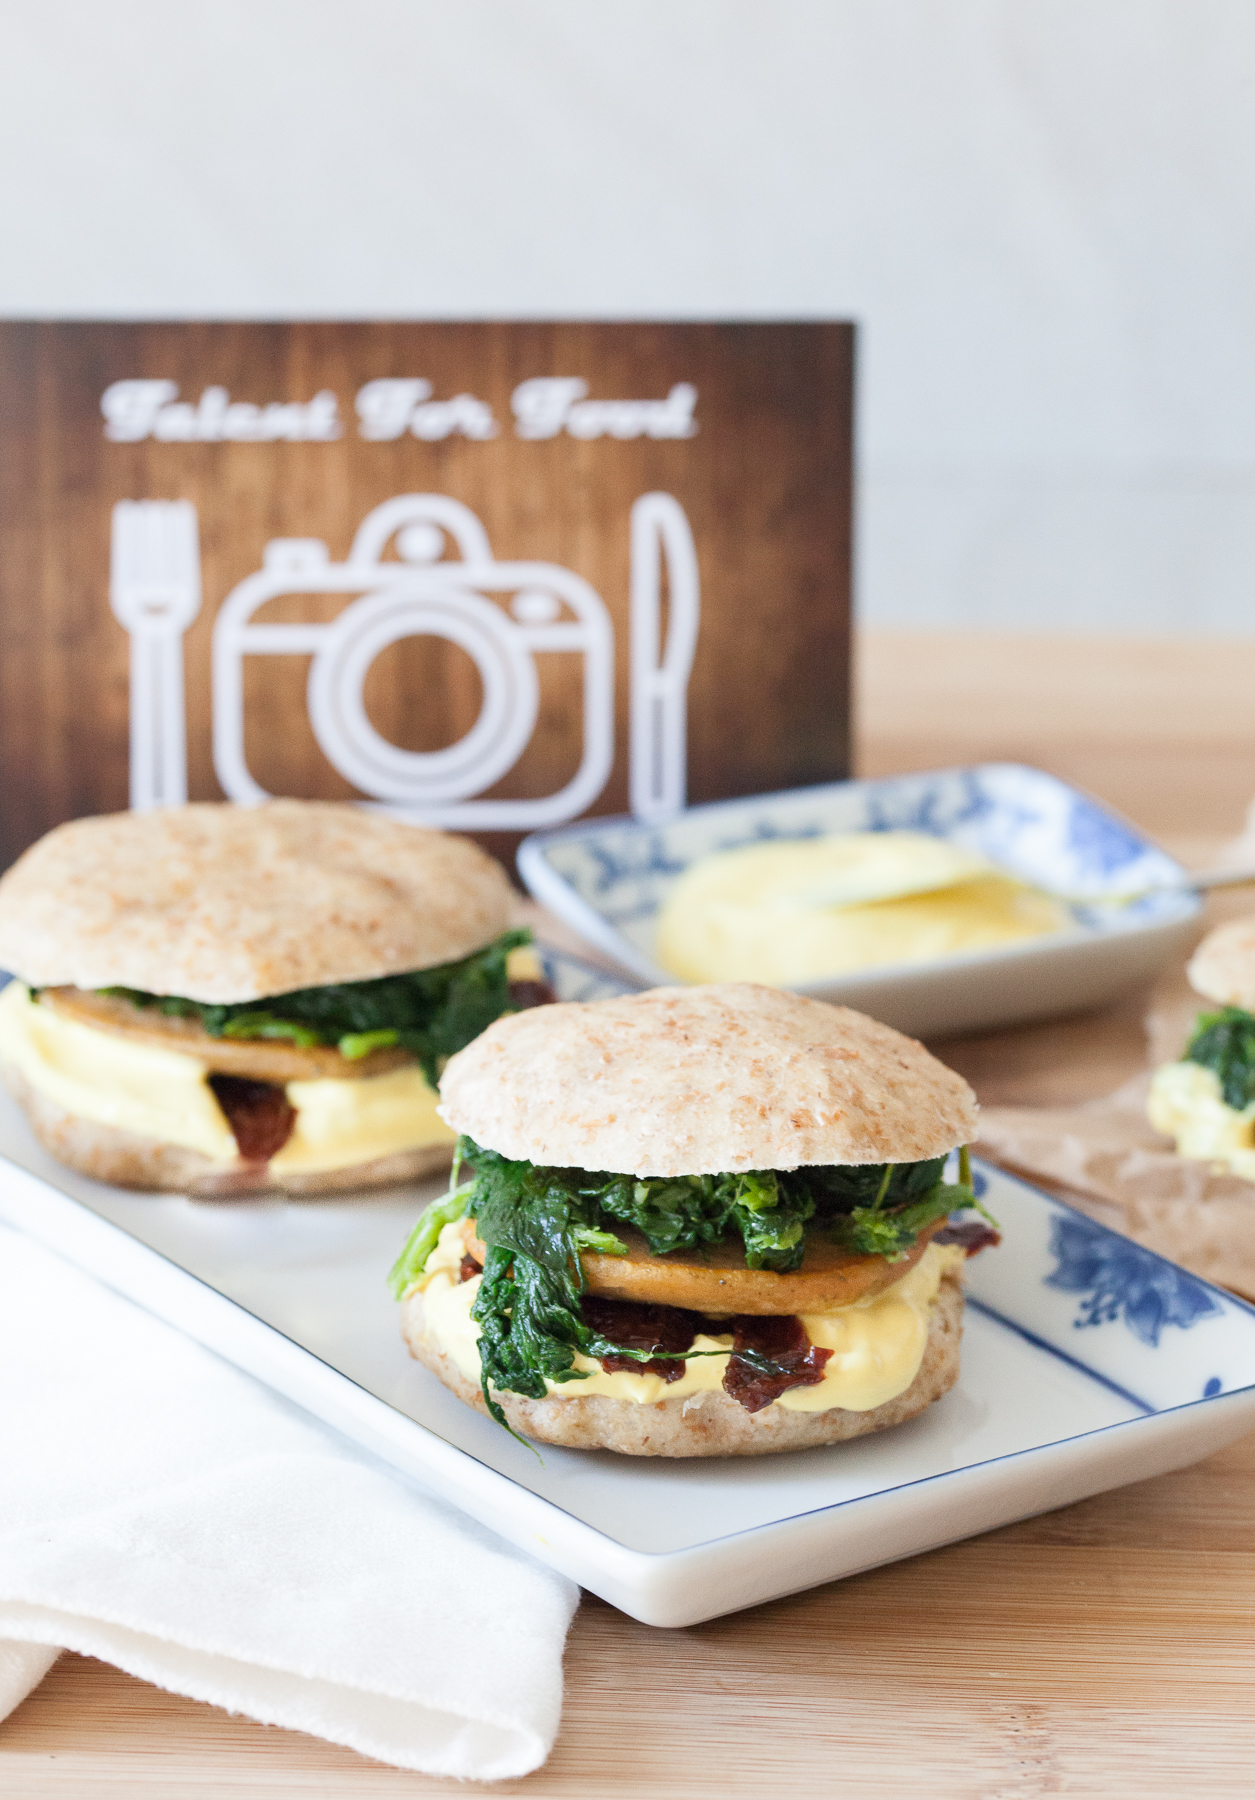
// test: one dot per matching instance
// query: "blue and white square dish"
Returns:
(1088, 1362)
(608, 878)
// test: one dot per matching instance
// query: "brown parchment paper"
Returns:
(1104, 1157)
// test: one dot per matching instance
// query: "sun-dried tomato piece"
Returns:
(639, 1326)
(973, 1234)
(781, 1337)
(260, 1115)
(527, 993)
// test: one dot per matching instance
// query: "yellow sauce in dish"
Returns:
(877, 1343)
(795, 911)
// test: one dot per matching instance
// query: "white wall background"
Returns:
(1039, 210)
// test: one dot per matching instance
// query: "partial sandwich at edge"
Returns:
(1206, 1100)
(230, 1000)
(702, 1221)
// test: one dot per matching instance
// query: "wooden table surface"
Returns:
(1107, 1649)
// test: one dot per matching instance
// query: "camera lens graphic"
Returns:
(492, 746)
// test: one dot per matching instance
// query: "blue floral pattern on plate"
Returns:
(1103, 846)
(1120, 1280)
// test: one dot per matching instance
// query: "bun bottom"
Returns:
(709, 1423)
(126, 1160)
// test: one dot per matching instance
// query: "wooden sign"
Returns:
(486, 576)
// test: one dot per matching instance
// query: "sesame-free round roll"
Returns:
(1223, 966)
(698, 1080)
(225, 903)
(226, 999)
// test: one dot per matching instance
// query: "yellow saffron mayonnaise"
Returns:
(164, 1095)
(1185, 1103)
(793, 911)
(877, 1343)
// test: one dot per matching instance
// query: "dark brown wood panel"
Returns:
(765, 484)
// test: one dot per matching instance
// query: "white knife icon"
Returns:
(661, 538)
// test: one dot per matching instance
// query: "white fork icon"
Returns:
(154, 591)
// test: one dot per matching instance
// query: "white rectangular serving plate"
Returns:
(608, 878)
(1088, 1362)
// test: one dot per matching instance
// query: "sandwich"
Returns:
(229, 1000)
(1206, 1100)
(700, 1221)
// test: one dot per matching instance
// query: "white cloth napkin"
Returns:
(165, 1512)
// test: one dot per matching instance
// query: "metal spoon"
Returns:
(1200, 881)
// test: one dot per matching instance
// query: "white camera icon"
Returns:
(504, 615)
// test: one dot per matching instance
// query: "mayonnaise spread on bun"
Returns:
(1186, 1102)
(699, 1222)
(151, 1092)
(139, 1088)
(877, 1342)
(1206, 1101)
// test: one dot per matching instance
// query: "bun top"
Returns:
(1223, 966)
(225, 903)
(702, 1081)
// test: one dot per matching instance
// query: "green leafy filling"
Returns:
(423, 1239)
(430, 1012)
(534, 1221)
(1224, 1042)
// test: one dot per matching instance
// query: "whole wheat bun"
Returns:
(127, 1160)
(704, 1080)
(223, 903)
(709, 1423)
(1223, 966)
